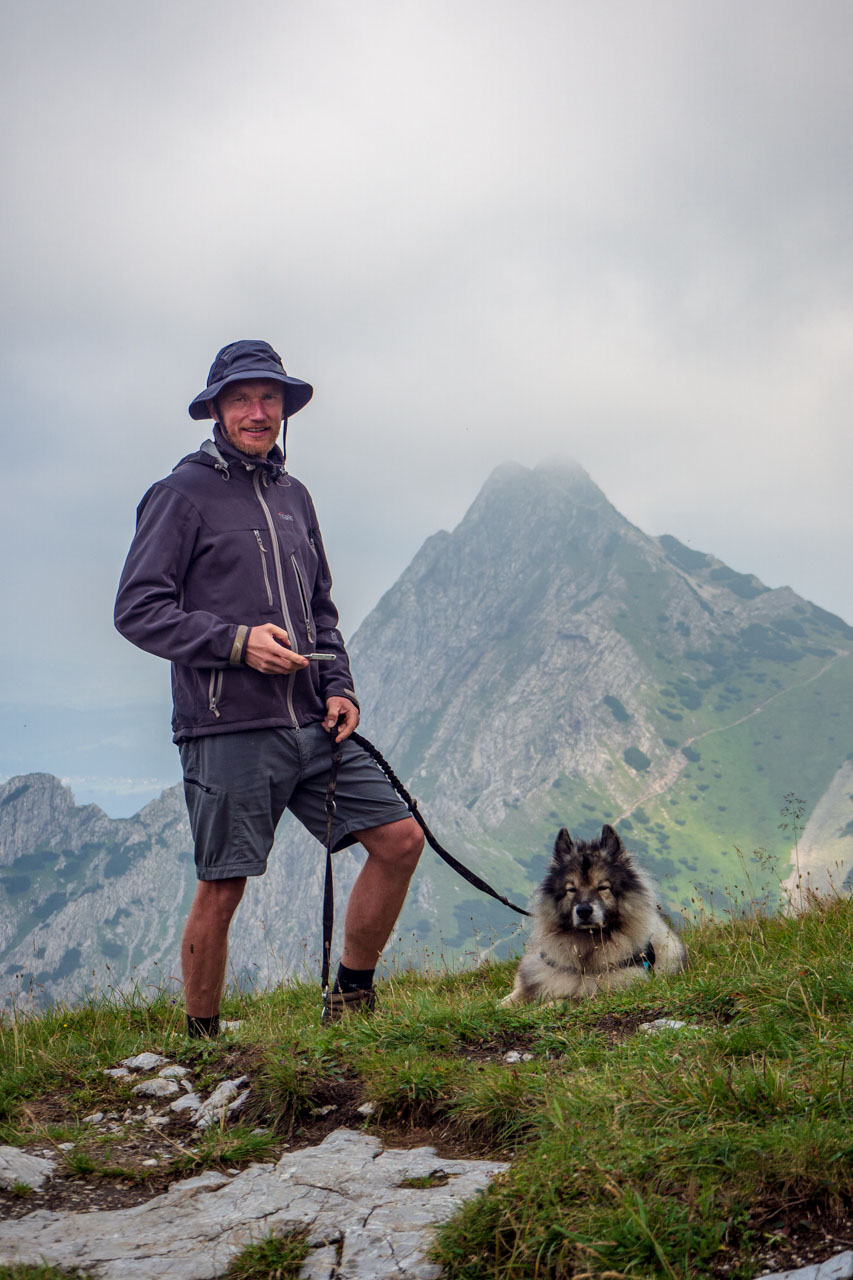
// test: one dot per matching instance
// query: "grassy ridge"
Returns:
(684, 1153)
(667, 1154)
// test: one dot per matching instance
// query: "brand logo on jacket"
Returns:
(285, 515)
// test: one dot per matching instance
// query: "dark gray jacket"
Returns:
(223, 544)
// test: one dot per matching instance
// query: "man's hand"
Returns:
(268, 650)
(341, 714)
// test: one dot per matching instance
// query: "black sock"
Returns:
(203, 1028)
(353, 979)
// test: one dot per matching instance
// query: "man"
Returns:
(227, 578)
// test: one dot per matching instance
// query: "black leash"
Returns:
(328, 884)
(458, 867)
(328, 887)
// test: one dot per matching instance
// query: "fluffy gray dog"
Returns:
(596, 925)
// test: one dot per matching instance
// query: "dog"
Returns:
(596, 925)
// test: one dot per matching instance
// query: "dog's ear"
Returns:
(563, 846)
(610, 843)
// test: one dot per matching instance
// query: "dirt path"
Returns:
(677, 765)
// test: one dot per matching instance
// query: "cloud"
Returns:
(484, 231)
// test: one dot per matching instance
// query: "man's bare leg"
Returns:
(380, 889)
(204, 949)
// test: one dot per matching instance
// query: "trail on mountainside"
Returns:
(676, 766)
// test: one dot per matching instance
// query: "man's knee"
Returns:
(219, 899)
(398, 845)
(411, 845)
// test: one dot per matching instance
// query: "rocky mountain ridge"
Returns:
(564, 666)
(545, 663)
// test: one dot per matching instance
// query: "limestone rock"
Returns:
(221, 1100)
(666, 1024)
(16, 1167)
(189, 1102)
(349, 1194)
(157, 1088)
(838, 1268)
(144, 1062)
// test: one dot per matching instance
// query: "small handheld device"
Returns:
(320, 657)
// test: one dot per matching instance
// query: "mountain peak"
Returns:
(552, 496)
(559, 473)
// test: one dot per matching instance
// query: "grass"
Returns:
(24, 1272)
(672, 1153)
(686, 1153)
(276, 1258)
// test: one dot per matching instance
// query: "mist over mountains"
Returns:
(544, 664)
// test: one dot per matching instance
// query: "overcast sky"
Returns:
(612, 231)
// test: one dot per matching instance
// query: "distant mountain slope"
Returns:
(90, 902)
(86, 893)
(546, 663)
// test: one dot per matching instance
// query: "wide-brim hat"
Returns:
(249, 358)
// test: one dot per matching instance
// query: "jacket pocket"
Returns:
(262, 551)
(303, 596)
(214, 690)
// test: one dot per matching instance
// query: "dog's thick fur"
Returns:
(594, 915)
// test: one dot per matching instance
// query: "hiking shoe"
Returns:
(338, 1004)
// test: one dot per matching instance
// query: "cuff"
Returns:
(236, 656)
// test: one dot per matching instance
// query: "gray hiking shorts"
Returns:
(237, 786)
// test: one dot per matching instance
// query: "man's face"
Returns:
(250, 414)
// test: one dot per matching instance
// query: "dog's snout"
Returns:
(583, 911)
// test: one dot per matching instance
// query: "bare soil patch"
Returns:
(789, 1237)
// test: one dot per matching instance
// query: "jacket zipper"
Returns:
(214, 691)
(279, 578)
(263, 552)
(306, 613)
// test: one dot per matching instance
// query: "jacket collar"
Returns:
(226, 456)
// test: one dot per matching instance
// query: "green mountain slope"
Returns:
(549, 664)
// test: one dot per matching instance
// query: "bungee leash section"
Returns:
(328, 889)
(471, 876)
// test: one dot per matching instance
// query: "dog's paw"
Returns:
(511, 999)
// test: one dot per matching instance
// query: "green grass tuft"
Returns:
(276, 1258)
(22, 1271)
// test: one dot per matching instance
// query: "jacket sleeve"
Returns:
(148, 609)
(335, 677)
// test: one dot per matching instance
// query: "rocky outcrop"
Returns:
(367, 1212)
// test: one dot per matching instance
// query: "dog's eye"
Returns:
(604, 888)
(570, 888)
